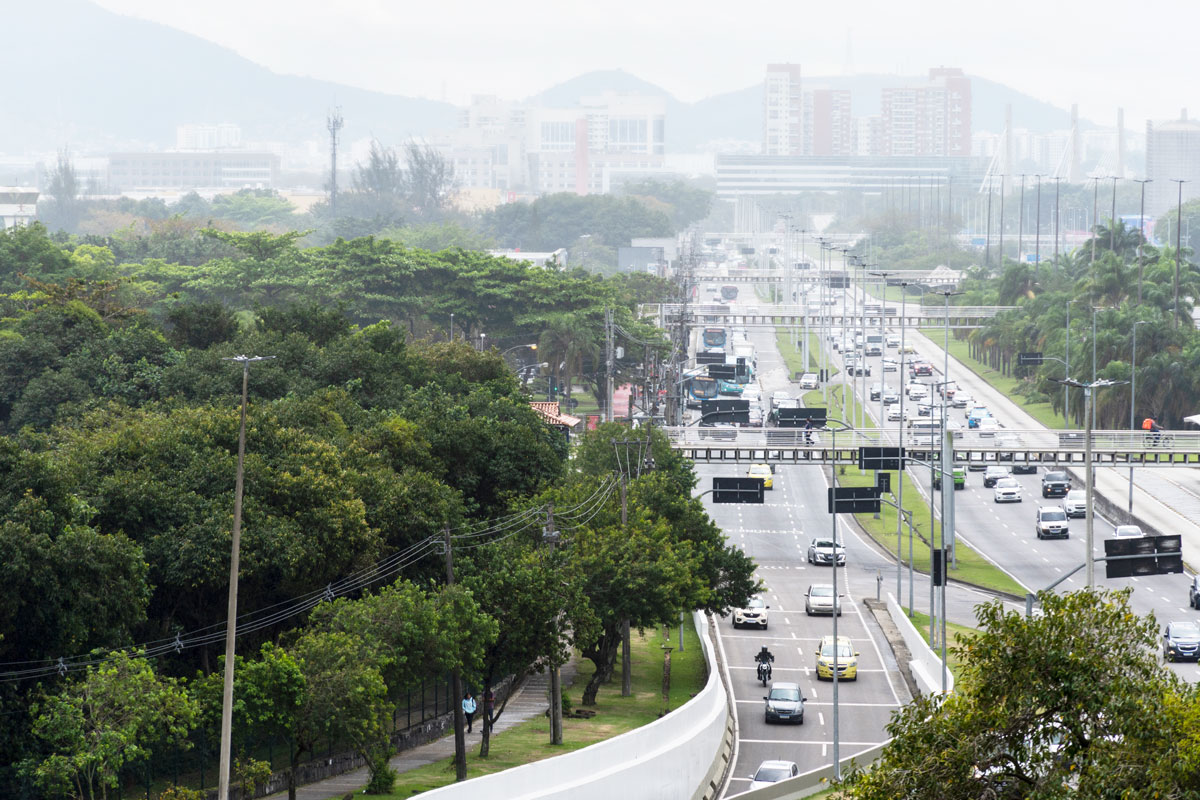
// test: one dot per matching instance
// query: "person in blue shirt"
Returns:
(468, 707)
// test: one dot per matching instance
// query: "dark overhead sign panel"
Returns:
(710, 357)
(797, 417)
(1029, 359)
(853, 499)
(722, 371)
(1144, 555)
(881, 458)
(737, 490)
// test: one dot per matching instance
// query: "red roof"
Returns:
(551, 413)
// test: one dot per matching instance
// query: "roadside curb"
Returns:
(900, 651)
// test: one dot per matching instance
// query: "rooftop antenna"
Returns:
(334, 123)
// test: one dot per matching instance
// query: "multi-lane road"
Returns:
(777, 533)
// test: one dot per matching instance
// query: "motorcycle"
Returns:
(764, 672)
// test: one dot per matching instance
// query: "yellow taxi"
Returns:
(762, 471)
(847, 659)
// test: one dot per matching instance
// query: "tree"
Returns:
(1069, 703)
(113, 717)
(254, 208)
(429, 182)
(541, 613)
(62, 209)
(685, 203)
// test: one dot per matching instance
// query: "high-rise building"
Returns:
(829, 126)
(208, 137)
(930, 119)
(783, 114)
(1172, 153)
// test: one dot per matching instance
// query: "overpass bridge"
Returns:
(918, 276)
(1046, 448)
(769, 316)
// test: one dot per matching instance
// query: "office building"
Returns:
(929, 119)
(1172, 153)
(232, 169)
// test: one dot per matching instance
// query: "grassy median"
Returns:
(530, 740)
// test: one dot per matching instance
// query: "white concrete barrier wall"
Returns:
(925, 664)
(669, 758)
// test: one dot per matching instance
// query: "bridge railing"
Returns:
(1004, 440)
(791, 310)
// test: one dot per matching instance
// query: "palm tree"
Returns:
(567, 339)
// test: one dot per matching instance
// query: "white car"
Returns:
(770, 772)
(755, 613)
(1075, 503)
(892, 340)
(893, 414)
(1007, 490)
(778, 398)
(1127, 532)
(918, 391)
(988, 426)
(809, 380)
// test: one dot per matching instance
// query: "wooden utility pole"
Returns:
(460, 735)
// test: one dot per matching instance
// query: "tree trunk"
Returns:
(603, 654)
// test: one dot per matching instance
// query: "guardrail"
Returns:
(926, 665)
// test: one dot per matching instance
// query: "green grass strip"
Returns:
(530, 740)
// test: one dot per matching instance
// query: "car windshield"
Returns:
(1055, 476)
(843, 651)
(823, 543)
(824, 590)
(1007, 483)
(1182, 630)
(1076, 494)
(771, 774)
(1053, 515)
(785, 694)
(756, 602)
(1128, 530)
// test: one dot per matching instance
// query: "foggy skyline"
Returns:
(1098, 55)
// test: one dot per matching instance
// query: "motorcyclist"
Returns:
(763, 658)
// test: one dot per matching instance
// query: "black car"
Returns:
(1181, 641)
(1021, 468)
(1055, 484)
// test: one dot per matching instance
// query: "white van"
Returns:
(925, 430)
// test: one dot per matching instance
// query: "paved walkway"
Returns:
(530, 701)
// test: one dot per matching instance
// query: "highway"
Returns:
(777, 533)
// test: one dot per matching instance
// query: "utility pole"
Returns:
(1057, 181)
(1112, 220)
(987, 257)
(1002, 177)
(334, 124)
(1021, 219)
(1095, 207)
(633, 463)
(1037, 240)
(550, 536)
(234, 558)
(608, 363)
(460, 735)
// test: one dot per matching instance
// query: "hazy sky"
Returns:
(1100, 54)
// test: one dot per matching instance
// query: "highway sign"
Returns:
(881, 458)
(737, 490)
(853, 499)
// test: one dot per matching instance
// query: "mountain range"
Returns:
(95, 80)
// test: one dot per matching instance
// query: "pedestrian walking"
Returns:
(468, 707)
(489, 707)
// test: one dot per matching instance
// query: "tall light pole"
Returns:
(1021, 218)
(235, 554)
(837, 598)
(1141, 242)
(947, 449)
(987, 251)
(1178, 240)
(1001, 245)
(1037, 246)
(1057, 181)
(1089, 556)
(900, 442)
(1095, 207)
(1133, 397)
(1112, 220)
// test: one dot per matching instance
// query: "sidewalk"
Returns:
(530, 701)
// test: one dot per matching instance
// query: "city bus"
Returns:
(714, 338)
(700, 388)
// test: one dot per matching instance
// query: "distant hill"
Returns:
(79, 73)
(738, 114)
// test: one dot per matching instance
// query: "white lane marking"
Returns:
(823, 743)
(820, 718)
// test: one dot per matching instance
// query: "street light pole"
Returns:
(1133, 398)
(1178, 239)
(235, 554)
(1141, 239)
(1089, 557)
(1021, 218)
(1037, 246)
(1112, 220)
(1057, 181)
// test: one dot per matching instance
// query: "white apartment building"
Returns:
(783, 111)
(1172, 153)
